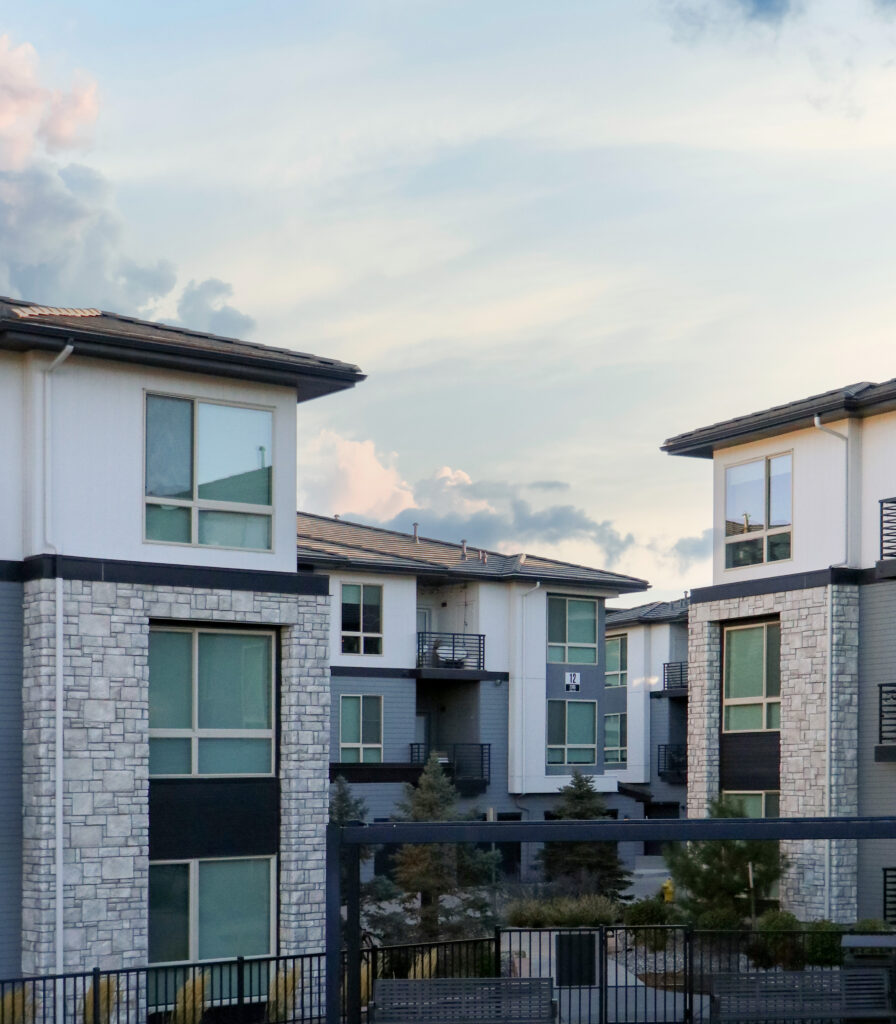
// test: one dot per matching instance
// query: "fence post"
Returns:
(353, 934)
(497, 952)
(97, 1019)
(240, 989)
(602, 980)
(689, 974)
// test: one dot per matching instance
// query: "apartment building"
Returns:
(164, 684)
(792, 663)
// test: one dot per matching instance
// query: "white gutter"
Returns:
(50, 548)
(828, 729)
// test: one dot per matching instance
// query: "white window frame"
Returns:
(623, 750)
(761, 535)
(197, 504)
(566, 598)
(194, 733)
(361, 746)
(361, 633)
(566, 746)
(765, 700)
(622, 674)
(193, 904)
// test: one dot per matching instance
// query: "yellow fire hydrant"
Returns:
(668, 891)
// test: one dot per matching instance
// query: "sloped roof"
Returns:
(339, 543)
(93, 332)
(655, 611)
(862, 399)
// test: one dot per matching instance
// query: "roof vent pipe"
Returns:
(463, 549)
(416, 538)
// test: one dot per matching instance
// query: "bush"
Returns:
(871, 926)
(646, 912)
(774, 942)
(720, 919)
(823, 944)
(586, 911)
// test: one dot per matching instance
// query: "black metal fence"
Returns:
(675, 675)
(887, 714)
(451, 650)
(887, 528)
(672, 762)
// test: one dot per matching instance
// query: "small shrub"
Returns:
(647, 912)
(719, 919)
(190, 1001)
(871, 926)
(774, 942)
(17, 1005)
(823, 944)
(590, 910)
(527, 913)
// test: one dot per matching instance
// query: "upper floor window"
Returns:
(211, 699)
(615, 739)
(208, 473)
(758, 511)
(572, 732)
(616, 661)
(572, 630)
(362, 618)
(361, 729)
(752, 678)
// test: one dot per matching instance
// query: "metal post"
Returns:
(240, 988)
(689, 974)
(97, 1017)
(353, 933)
(602, 980)
(334, 925)
(497, 953)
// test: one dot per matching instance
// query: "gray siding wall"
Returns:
(10, 779)
(399, 710)
(668, 724)
(877, 782)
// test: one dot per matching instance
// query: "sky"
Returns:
(552, 234)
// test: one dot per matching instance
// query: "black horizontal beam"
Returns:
(657, 829)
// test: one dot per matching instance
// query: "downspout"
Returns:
(828, 730)
(523, 596)
(50, 548)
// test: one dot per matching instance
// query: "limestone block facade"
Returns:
(106, 766)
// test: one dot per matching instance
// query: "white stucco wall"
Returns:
(12, 454)
(399, 621)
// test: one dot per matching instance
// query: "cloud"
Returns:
(688, 550)
(548, 485)
(765, 10)
(202, 307)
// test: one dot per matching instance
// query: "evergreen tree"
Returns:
(344, 809)
(583, 866)
(713, 876)
(443, 886)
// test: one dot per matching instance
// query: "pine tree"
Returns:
(583, 866)
(346, 808)
(713, 876)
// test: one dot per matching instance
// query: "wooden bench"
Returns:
(854, 994)
(463, 1001)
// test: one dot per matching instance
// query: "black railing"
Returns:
(890, 895)
(672, 762)
(451, 650)
(462, 762)
(887, 714)
(887, 528)
(675, 675)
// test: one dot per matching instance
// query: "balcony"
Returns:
(886, 736)
(887, 528)
(468, 765)
(672, 762)
(451, 651)
(675, 676)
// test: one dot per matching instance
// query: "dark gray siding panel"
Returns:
(399, 707)
(10, 779)
(877, 782)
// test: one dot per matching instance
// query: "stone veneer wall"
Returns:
(106, 830)
(804, 656)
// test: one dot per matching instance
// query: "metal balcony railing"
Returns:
(451, 650)
(887, 714)
(672, 762)
(463, 762)
(675, 675)
(887, 528)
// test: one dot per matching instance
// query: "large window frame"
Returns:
(197, 506)
(616, 654)
(769, 699)
(769, 801)
(369, 642)
(758, 543)
(616, 754)
(193, 936)
(367, 752)
(194, 733)
(563, 648)
(565, 753)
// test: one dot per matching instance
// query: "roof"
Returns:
(25, 326)
(863, 399)
(338, 543)
(645, 614)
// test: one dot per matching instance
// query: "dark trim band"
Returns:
(460, 674)
(160, 574)
(779, 584)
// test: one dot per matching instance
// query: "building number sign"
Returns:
(573, 682)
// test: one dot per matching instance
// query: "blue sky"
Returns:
(553, 234)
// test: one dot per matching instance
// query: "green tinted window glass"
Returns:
(234, 530)
(773, 660)
(556, 722)
(555, 755)
(580, 727)
(580, 755)
(745, 498)
(373, 645)
(234, 908)
(351, 608)
(170, 680)
(170, 757)
(581, 622)
(556, 620)
(747, 552)
(169, 913)
(772, 805)
(779, 491)
(778, 547)
(611, 655)
(581, 655)
(351, 645)
(373, 601)
(351, 720)
(371, 723)
(169, 447)
(372, 755)
(773, 715)
(234, 458)
(556, 655)
(750, 804)
(172, 524)
(743, 717)
(234, 756)
(744, 660)
(611, 731)
(351, 755)
(234, 681)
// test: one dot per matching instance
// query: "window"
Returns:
(208, 473)
(758, 503)
(572, 732)
(361, 729)
(615, 739)
(616, 661)
(752, 678)
(211, 698)
(362, 618)
(210, 909)
(757, 804)
(572, 630)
